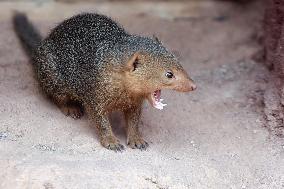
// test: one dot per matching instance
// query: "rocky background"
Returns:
(274, 59)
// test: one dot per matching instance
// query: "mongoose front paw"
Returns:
(112, 143)
(72, 111)
(137, 142)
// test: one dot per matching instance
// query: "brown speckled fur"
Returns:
(90, 63)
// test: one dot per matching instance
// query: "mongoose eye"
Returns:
(169, 74)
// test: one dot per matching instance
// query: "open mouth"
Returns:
(155, 100)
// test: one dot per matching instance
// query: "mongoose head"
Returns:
(152, 69)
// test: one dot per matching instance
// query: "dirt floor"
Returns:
(211, 138)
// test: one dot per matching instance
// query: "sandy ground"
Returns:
(212, 138)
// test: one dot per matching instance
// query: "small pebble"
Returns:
(3, 135)
(258, 121)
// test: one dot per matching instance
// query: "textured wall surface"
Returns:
(274, 58)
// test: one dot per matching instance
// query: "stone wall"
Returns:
(274, 58)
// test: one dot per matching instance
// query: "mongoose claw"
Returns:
(112, 143)
(138, 143)
(116, 147)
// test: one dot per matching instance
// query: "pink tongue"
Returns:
(157, 95)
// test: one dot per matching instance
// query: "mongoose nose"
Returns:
(186, 86)
(193, 87)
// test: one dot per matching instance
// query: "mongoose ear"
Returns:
(133, 62)
(157, 39)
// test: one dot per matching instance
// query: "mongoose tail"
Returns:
(28, 34)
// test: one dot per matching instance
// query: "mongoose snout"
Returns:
(182, 82)
(186, 86)
(179, 82)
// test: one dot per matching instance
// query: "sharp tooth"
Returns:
(159, 105)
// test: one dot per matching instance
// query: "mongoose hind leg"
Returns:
(134, 139)
(68, 106)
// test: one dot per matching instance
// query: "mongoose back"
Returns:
(89, 63)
